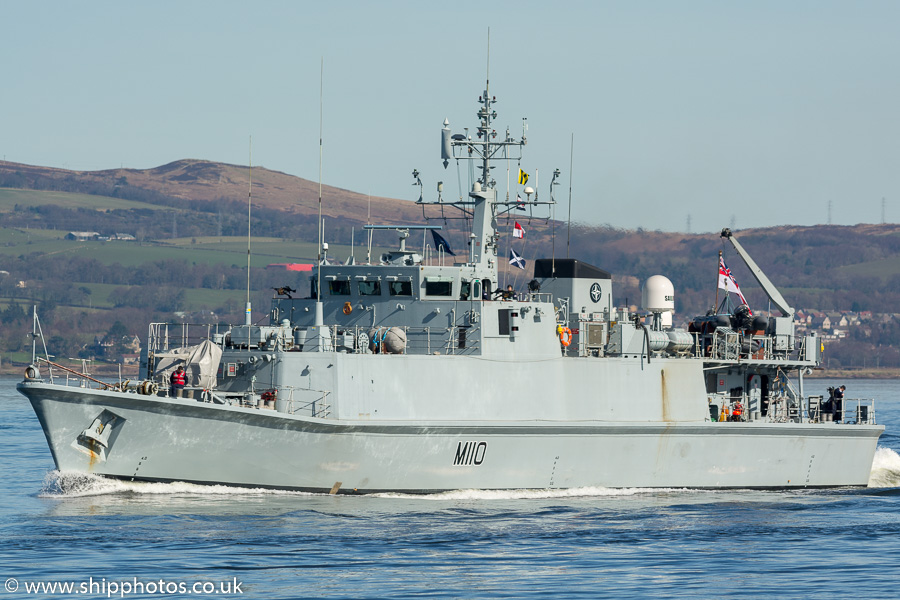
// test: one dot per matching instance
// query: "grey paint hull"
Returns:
(163, 439)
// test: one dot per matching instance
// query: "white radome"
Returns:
(658, 295)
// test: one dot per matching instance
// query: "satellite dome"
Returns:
(658, 295)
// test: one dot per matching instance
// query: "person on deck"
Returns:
(838, 406)
(177, 381)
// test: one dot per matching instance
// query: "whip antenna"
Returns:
(319, 267)
(571, 163)
(322, 333)
(247, 316)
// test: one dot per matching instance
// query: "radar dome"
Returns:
(658, 295)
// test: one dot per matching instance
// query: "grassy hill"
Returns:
(10, 198)
(203, 182)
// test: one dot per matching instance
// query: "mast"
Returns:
(483, 204)
(718, 274)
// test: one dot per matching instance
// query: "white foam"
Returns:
(524, 494)
(885, 469)
(71, 484)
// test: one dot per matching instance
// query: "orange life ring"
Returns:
(565, 336)
(348, 308)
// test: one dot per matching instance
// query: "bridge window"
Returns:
(339, 288)
(438, 286)
(401, 288)
(370, 288)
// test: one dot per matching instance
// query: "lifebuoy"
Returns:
(348, 308)
(565, 336)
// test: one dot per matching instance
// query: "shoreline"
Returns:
(882, 373)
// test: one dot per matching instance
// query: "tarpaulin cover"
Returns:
(201, 362)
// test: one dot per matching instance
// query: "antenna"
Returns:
(553, 182)
(883, 221)
(829, 212)
(319, 265)
(369, 222)
(488, 75)
(571, 165)
(321, 334)
(248, 320)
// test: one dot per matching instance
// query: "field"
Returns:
(30, 198)
(212, 250)
(883, 269)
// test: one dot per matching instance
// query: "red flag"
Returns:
(518, 231)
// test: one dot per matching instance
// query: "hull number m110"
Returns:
(470, 453)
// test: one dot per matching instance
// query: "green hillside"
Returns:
(9, 198)
(226, 251)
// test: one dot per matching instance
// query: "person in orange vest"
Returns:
(737, 412)
(177, 381)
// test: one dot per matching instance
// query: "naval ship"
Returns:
(423, 373)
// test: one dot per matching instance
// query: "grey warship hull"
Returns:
(172, 439)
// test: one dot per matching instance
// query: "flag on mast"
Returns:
(523, 177)
(728, 283)
(518, 231)
(516, 260)
(439, 242)
(520, 204)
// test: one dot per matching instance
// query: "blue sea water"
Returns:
(589, 543)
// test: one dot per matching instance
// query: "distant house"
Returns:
(131, 342)
(82, 236)
(129, 359)
(820, 323)
(123, 237)
(838, 319)
(103, 342)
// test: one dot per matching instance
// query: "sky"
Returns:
(677, 116)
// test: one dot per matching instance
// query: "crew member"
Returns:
(177, 381)
(737, 411)
(838, 409)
